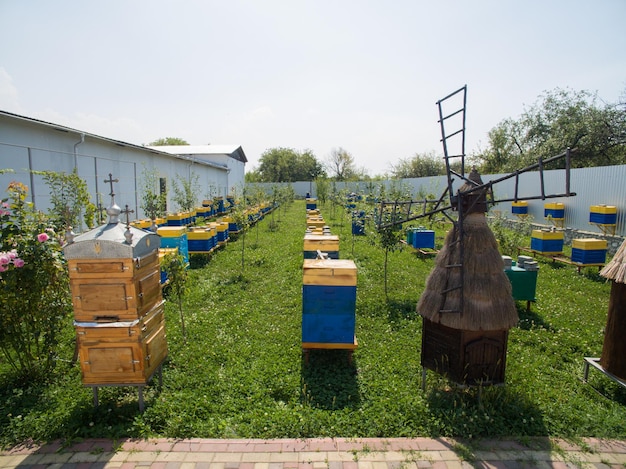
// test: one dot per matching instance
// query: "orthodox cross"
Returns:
(127, 212)
(111, 181)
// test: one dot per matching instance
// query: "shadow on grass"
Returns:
(329, 380)
(401, 309)
(487, 411)
(529, 320)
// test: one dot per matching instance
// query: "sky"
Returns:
(319, 75)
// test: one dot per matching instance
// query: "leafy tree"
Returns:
(388, 238)
(168, 141)
(185, 193)
(560, 119)
(253, 175)
(287, 165)
(341, 164)
(175, 267)
(421, 165)
(70, 200)
(153, 202)
(322, 188)
(240, 216)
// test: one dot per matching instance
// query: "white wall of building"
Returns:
(27, 144)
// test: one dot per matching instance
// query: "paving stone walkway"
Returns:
(320, 453)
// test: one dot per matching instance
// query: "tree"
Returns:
(421, 165)
(153, 203)
(70, 199)
(287, 165)
(168, 141)
(341, 164)
(253, 175)
(560, 119)
(185, 194)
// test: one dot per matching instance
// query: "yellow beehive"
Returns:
(338, 272)
(199, 234)
(589, 244)
(546, 235)
(171, 231)
(314, 242)
(317, 222)
(604, 209)
(144, 224)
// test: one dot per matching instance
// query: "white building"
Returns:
(28, 145)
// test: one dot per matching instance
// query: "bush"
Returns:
(34, 286)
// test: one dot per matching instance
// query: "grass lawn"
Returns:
(241, 372)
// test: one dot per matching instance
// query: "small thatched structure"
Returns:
(616, 269)
(488, 302)
(614, 349)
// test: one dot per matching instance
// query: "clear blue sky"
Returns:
(363, 75)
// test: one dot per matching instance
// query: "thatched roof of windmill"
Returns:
(616, 269)
(487, 297)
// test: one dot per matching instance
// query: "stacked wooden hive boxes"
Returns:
(118, 307)
(328, 291)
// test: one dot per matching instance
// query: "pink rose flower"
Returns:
(18, 262)
(4, 259)
(43, 237)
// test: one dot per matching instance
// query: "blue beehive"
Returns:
(589, 251)
(423, 239)
(519, 208)
(328, 301)
(311, 204)
(175, 237)
(555, 211)
(410, 232)
(219, 202)
(547, 242)
(603, 214)
(358, 222)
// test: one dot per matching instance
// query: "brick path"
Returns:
(321, 453)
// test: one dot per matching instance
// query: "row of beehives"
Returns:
(206, 237)
(328, 288)
(209, 209)
(585, 251)
(598, 214)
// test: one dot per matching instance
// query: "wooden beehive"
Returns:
(122, 352)
(115, 279)
(321, 242)
(117, 289)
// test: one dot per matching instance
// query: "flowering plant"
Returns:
(34, 285)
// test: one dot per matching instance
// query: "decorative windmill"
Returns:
(467, 304)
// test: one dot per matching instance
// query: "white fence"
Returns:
(593, 186)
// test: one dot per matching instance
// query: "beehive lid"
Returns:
(109, 241)
(112, 240)
(329, 272)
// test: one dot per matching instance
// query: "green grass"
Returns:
(241, 373)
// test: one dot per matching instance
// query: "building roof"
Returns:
(234, 151)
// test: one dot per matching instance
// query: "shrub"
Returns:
(34, 287)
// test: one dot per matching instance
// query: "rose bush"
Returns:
(34, 286)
